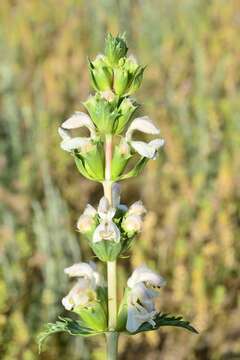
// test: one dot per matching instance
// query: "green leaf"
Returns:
(72, 327)
(136, 170)
(166, 320)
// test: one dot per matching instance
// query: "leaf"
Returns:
(166, 320)
(72, 327)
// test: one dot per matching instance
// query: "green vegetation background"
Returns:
(191, 233)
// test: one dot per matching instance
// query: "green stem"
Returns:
(112, 336)
(112, 345)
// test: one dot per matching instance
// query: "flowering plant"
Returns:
(104, 156)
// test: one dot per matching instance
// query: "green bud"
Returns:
(121, 81)
(136, 81)
(131, 64)
(103, 113)
(90, 162)
(126, 108)
(115, 48)
(101, 74)
(120, 159)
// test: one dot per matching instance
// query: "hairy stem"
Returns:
(112, 336)
(112, 345)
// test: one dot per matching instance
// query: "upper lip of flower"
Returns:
(77, 120)
(145, 125)
(83, 291)
(147, 276)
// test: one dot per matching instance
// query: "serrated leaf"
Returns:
(166, 320)
(72, 327)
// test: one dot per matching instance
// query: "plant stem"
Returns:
(112, 345)
(112, 336)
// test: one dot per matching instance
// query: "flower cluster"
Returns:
(115, 78)
(111, 229)
(84, 297)
(89, 151)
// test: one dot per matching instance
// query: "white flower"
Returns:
(132, 223)
(137, 315)
(107, 229)
(145, 149)
(141, 307)
(137, 208)
(87, 220)
(84, 291)
(90, 211)
(141, 297)
(79, 119)
(147, 276)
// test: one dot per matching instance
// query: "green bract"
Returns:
(101, 74)
(91, 162)
(115, 49)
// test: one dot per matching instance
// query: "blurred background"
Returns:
(191, 234)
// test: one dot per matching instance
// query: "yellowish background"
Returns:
(191, 232)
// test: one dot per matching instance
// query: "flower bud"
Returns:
(115, 48)
(90, 162)
(102, 112)
(137, 208)
(126, 108)
(136, 82)
(85, 223)
(101, 74)
(120, 159)
(132, 224)
(121, 81)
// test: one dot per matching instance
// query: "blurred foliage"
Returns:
(191, 232)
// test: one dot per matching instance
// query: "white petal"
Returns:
(156, 143)
(78, 120)
(132, 223)
(66, 303)
(144, 274)
(97, 233)
(137, 316)
(133, 322)
(143, 124)
(79, 269)
(143, 148)
(64, 134)
(103, 206)
(90, 211)
(137, 208)
(106, 231)
(74, 143)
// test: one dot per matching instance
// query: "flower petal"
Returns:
(137, 208)
(64, 134)
(143, 149)
(90, 210)
(137, 315)
(79, 269)
(74, 143)
(143, 124)
(157, 143)
(144, 274)
(106, 231)
(78, 120)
